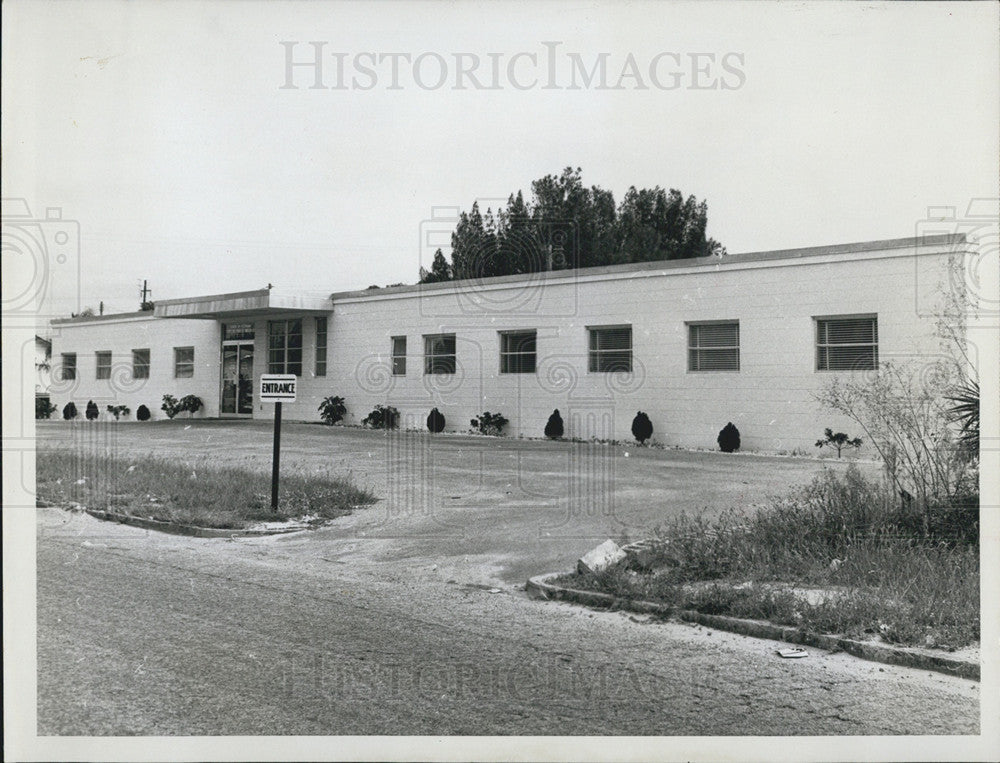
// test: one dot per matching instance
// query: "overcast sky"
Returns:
(165, 129)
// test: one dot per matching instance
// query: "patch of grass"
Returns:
(876, 567)
(194, 493)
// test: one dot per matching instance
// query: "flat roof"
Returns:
(945, 239)
(109, 317)
(244, 303)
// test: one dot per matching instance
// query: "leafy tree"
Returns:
(568, 225)
(838, 440)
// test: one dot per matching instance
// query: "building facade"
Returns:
(750, 339)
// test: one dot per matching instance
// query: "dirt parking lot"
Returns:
(527, 506)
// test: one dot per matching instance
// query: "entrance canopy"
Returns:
(244, 303)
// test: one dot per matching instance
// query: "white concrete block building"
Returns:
(750, 338)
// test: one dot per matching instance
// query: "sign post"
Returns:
(277, 389)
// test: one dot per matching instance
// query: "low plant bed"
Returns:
(196, 494)
(839, 558)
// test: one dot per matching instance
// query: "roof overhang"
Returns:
(244, 303)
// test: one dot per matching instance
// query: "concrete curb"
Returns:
(538, 587)
(189, 530)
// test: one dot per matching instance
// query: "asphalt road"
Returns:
(409, 617)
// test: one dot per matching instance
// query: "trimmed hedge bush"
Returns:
(142, 413)
(642, 427)
(554, 426)
(729, 438)
(69, 411)
(92, 412)
(435, 421)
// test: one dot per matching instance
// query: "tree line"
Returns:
(568, 225)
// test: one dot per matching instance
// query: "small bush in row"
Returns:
(435, 421)
(119, 410)
(489, 423)
(383, 417)
(332, 409)
(44, 408)
(172, 406)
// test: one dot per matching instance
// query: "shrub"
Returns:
(490, 423)
(554, 426)
(729, 438)
(118, 411)
(435, 421)
(642, 427)
(92, 411)
(190, 403)
(837, 440)
(69, 411)
(332, 409)
(142, 413)
(172, 406)
(44, 408)
(383, 417)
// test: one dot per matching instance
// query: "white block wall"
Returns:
(771, 399)
(120, 335)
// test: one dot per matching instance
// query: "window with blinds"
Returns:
(517, 352)
(399, 356)
(847, 344)
(714, 346)
(439, 353)
(610, 349)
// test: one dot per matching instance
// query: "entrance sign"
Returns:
(278, 388)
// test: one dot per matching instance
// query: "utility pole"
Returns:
(145, 295)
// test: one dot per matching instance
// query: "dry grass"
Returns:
(883, 568)
(195, 493)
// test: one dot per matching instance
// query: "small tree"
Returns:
(729, 438)
(69, 411)
(435, 421)
(332, 409)
(554, 426)
(642, 427)
(838, 440)
(142, 413)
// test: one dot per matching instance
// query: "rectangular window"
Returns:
(714, 346)
(610, 349)
(847, 343)
(68, 368)
(284, 348)
(237, 331)
(183, 362)
(104, 365)
(399, 356)
(439, 354)
(140, 364)
(517, 352)
(321, 346)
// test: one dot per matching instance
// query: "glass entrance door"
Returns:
(237, 380)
